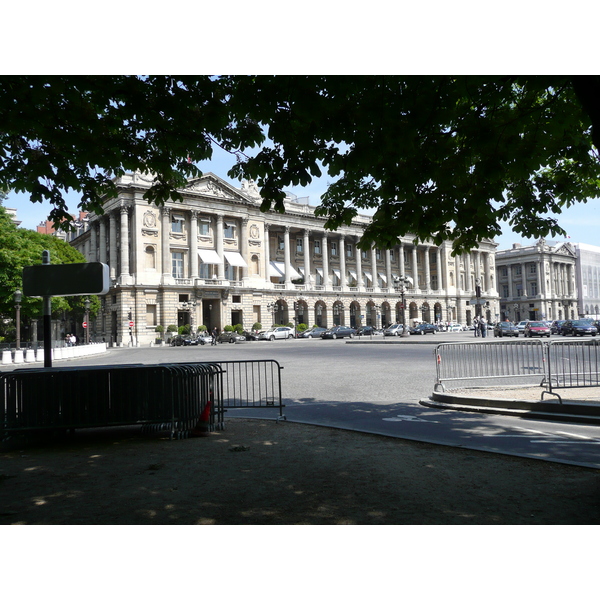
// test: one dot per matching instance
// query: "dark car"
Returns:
(365, 330)
(231, 337)
(339, 331)
(422, 329)
(579, 327)
(536, 328)
(556, 326)
(187, 340)
(505, 329)
(251, 336)
(315, 332)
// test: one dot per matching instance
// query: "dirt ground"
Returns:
(263, 472)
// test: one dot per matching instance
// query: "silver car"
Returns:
(276, 333)
(396, 329)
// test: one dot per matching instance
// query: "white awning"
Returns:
(383, 277)
(235, 259)
(277, 269)
(210, 257)
(353, 273)
(337, 273)
(368, 276)
(319, 271)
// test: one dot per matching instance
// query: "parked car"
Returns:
(521, 326)
(455, 327)
(422, 329)
(339, 331)
(579, 327)
(276, 333)
(231, 337)
(534, 328)
(396, 330)
(505, 329)
(187, 340)
(250, 335)
(556, 327)
(315, 332)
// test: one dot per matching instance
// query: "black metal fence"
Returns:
(172, 396)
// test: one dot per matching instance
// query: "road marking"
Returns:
(583, 437)
(404, 418)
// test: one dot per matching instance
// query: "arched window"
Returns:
(150, 257)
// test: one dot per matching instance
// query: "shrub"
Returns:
(159, 329)
(201, 328)
(302, 327)
(239, 328)
(172, 328)
(184, 329)
(257, 326)
(228, 328)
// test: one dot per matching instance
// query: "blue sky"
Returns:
(581, 222)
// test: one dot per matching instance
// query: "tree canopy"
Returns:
(438, 156)
(21, 248)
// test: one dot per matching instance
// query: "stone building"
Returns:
(588, 280)
(537, 282)
(215, 259)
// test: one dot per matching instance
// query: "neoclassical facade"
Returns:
(537, 282)
(215, 259)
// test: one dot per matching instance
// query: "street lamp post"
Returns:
(17, 298)
(190, 306)
(401, 283)
(86, 304)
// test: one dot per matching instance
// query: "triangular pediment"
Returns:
(212, 185)
(566, 249)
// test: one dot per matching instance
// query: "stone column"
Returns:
(193, 244)
(113, 243)
(325, 266)
(489, 286)
(415, 268)
(165, 245)
(286, 257)
(267, 255)
(103, 254)
(468, 273)
(374, 265)
(243, 271)
(441, 274)
(427, 269)
(92, 256)
(219, 248)
(359, 275)
(307, 272)
(125, 244)
(342, 261)
(401, 258)
(388, 269)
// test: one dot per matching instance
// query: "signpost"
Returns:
(76, 279)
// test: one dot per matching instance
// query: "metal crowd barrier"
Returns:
(168, 396)
(573, 364)
(553, 365)
(251, 384)
(487, 363)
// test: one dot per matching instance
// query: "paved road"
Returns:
(376, 388)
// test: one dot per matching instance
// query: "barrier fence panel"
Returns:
(171, 396)
(252, 384)
(488, 364)
(573, 364)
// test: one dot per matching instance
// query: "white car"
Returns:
(455, 327)
(276, 333)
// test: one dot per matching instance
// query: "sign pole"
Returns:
(47, 300)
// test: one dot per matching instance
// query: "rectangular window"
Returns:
(333, 248)
(518, 270)
(504, 271)
(204, 271)
(204, 227)
(177, 264)
(363, 254)
(505, 291)
(299, 245)
(378, 254)
(533, 288)
(349, 251)
(151, 315)
(177, 223)
(434, 282)
(317, 246)
(532, 268)
(229, 231)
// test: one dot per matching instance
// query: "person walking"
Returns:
(213, 334)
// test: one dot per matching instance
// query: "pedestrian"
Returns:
(476, 327)
(483, 326)
(213, 334)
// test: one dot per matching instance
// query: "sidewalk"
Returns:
(577, 405)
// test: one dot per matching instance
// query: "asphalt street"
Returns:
(376, 388)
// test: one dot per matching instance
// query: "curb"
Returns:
(574, 412)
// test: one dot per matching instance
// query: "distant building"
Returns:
(538, 282)
(12, 213)
(216, 259)
(588, 280)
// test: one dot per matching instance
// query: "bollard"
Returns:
(19, 356)
(6, 357)
(30, 355)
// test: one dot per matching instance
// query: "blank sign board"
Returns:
(79, 279)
